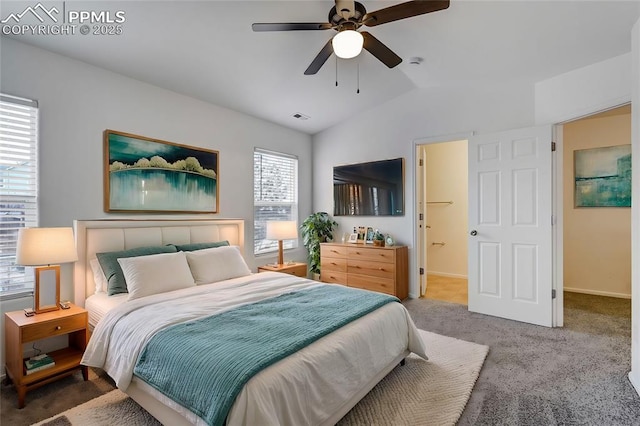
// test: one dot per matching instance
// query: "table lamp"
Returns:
(282, 230)
(46, 248)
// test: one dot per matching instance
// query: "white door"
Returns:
(421, 212)
(510, 230)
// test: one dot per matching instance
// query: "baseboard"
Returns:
(635, 381)
(446, 274)
(598, 292)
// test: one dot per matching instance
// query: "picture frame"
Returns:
(369, 235)
(145, 175)
(353, 238)
(602, 177)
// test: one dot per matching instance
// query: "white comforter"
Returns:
(305, 388)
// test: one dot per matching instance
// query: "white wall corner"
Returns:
(583, 91)
(634, 375)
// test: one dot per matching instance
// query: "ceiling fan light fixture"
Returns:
(347, 44)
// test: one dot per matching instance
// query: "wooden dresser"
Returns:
(382, 269)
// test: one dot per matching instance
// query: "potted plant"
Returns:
(316, 229)
(378, 239)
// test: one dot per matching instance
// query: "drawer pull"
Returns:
(58, 327)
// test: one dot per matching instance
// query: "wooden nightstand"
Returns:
(294, 268)
(20, 329)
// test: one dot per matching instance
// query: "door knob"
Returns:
(473, 233)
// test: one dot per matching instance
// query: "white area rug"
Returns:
(432, 392)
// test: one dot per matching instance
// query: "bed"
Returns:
(316, 384)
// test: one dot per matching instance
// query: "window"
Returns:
(18, 186)
(275, 196)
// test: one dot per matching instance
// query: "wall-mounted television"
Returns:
(369, 189)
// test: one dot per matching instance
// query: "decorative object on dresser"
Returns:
(378, 239)
(19, 329)
(294, 268)
(46, 246)
(281, 230)
(150, 175)
(316, 229)
(382, 269)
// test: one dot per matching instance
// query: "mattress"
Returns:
(99, 304)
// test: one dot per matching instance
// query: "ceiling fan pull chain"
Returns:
(358, 79)
(336, 71)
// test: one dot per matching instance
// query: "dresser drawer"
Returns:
(333, 264)
(368, 267)
(327, 250)
(333, 277)
(53, 328)
(382, 285)
(375, 254)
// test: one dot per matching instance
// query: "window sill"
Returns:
(17, 294)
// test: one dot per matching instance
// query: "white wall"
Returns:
(583, 91)
(389, 131)
(446, 169)
(79, 101)
(597, 241)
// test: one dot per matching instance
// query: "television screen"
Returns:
(369, 189)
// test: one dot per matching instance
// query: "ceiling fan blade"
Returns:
(380, 51)
(403, 10)
(293, 26)
(320, 59)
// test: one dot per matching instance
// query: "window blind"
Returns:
(18, 186)
(275, 196)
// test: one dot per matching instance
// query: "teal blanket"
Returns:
(204, 364)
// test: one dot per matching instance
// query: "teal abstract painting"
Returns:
(603, 177)
(149, 175)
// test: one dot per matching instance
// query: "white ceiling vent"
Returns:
(300, 116)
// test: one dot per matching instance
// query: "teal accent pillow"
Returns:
(200, 246)
(113, 273)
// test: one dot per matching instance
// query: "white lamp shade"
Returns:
(347, 44)
(45, 246)
(282, 230)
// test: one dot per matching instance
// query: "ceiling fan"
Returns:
(347, 17)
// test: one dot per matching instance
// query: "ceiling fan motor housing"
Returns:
(354, 21)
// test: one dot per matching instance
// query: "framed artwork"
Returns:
(144, 175)
(369, 235)
(353, 238)
(603, 177)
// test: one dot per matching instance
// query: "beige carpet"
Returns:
(432, 392)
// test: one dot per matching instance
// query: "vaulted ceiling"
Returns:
(207, 50)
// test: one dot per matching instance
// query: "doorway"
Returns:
(444, 198)
(597, 240)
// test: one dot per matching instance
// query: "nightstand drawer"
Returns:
(53, 328)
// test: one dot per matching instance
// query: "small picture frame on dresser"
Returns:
(369, 235)
(353, 238)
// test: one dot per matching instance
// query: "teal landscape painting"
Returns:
(603, 177)
(148, 175)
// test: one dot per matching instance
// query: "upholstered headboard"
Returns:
(96, 236)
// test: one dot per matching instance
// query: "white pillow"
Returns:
(217, 264)
(156, 273)
(98, 276)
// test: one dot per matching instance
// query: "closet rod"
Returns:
(439, 202)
